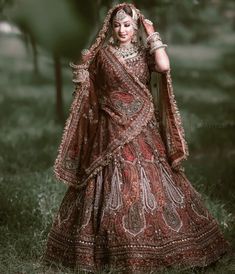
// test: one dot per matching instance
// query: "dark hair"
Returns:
(126, 8)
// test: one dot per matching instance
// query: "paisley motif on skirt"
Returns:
(68, 208)
(174, 193)
(149, 200)
(115, 199)
(134, 221)
(198, 207)
(171, 217)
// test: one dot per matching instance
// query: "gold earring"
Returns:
(134, 38)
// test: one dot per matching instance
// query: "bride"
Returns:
(129, 206)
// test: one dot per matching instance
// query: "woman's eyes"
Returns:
(125, 25)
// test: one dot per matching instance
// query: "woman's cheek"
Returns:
(130, 30)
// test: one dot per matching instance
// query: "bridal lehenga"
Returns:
(129, 205)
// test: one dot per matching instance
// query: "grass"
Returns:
(29, 138)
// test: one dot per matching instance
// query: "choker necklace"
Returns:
(127, 51)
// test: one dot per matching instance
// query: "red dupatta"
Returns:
(73, 165)
(170, 121)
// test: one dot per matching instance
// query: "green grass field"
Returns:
(203, 78)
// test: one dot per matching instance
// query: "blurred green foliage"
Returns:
(201, 49)
(68, 26)
(54, 24)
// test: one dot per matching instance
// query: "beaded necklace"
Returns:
(127, 51)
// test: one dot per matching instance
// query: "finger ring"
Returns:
(148, 21)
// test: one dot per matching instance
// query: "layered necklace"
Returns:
(127, 51)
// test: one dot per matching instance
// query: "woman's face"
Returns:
(123, 29)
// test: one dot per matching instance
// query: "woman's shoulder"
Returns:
(99, 54)
(98, 59)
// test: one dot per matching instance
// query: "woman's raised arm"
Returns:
(157, 48)
(162, 62)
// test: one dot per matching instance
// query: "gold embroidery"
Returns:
(134, 221)
(115, 199)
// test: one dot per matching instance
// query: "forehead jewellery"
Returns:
(121, 14)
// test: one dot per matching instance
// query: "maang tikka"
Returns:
(121, 14)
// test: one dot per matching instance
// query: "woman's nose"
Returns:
(121, 28)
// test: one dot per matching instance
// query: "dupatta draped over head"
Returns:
(90, 142)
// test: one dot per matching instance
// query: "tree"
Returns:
(61, 27)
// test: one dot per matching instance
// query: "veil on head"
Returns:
(104, 35)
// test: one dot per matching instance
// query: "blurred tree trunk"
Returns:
(58, 85)
(35, 53)
(31, 46)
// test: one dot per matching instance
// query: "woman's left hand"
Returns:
(148, 25)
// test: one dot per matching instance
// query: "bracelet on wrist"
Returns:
(154, 42)
(154, 35)
(157, 47)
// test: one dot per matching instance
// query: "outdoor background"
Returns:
(37, 41)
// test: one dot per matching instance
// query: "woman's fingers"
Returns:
(148, 25)
(148, 21)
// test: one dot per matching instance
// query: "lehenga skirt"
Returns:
(137, 215)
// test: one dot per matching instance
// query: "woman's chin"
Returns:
(124, 40)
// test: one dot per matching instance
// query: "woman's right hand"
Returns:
(148, 25)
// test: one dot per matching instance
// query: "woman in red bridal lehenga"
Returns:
(129, 205)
